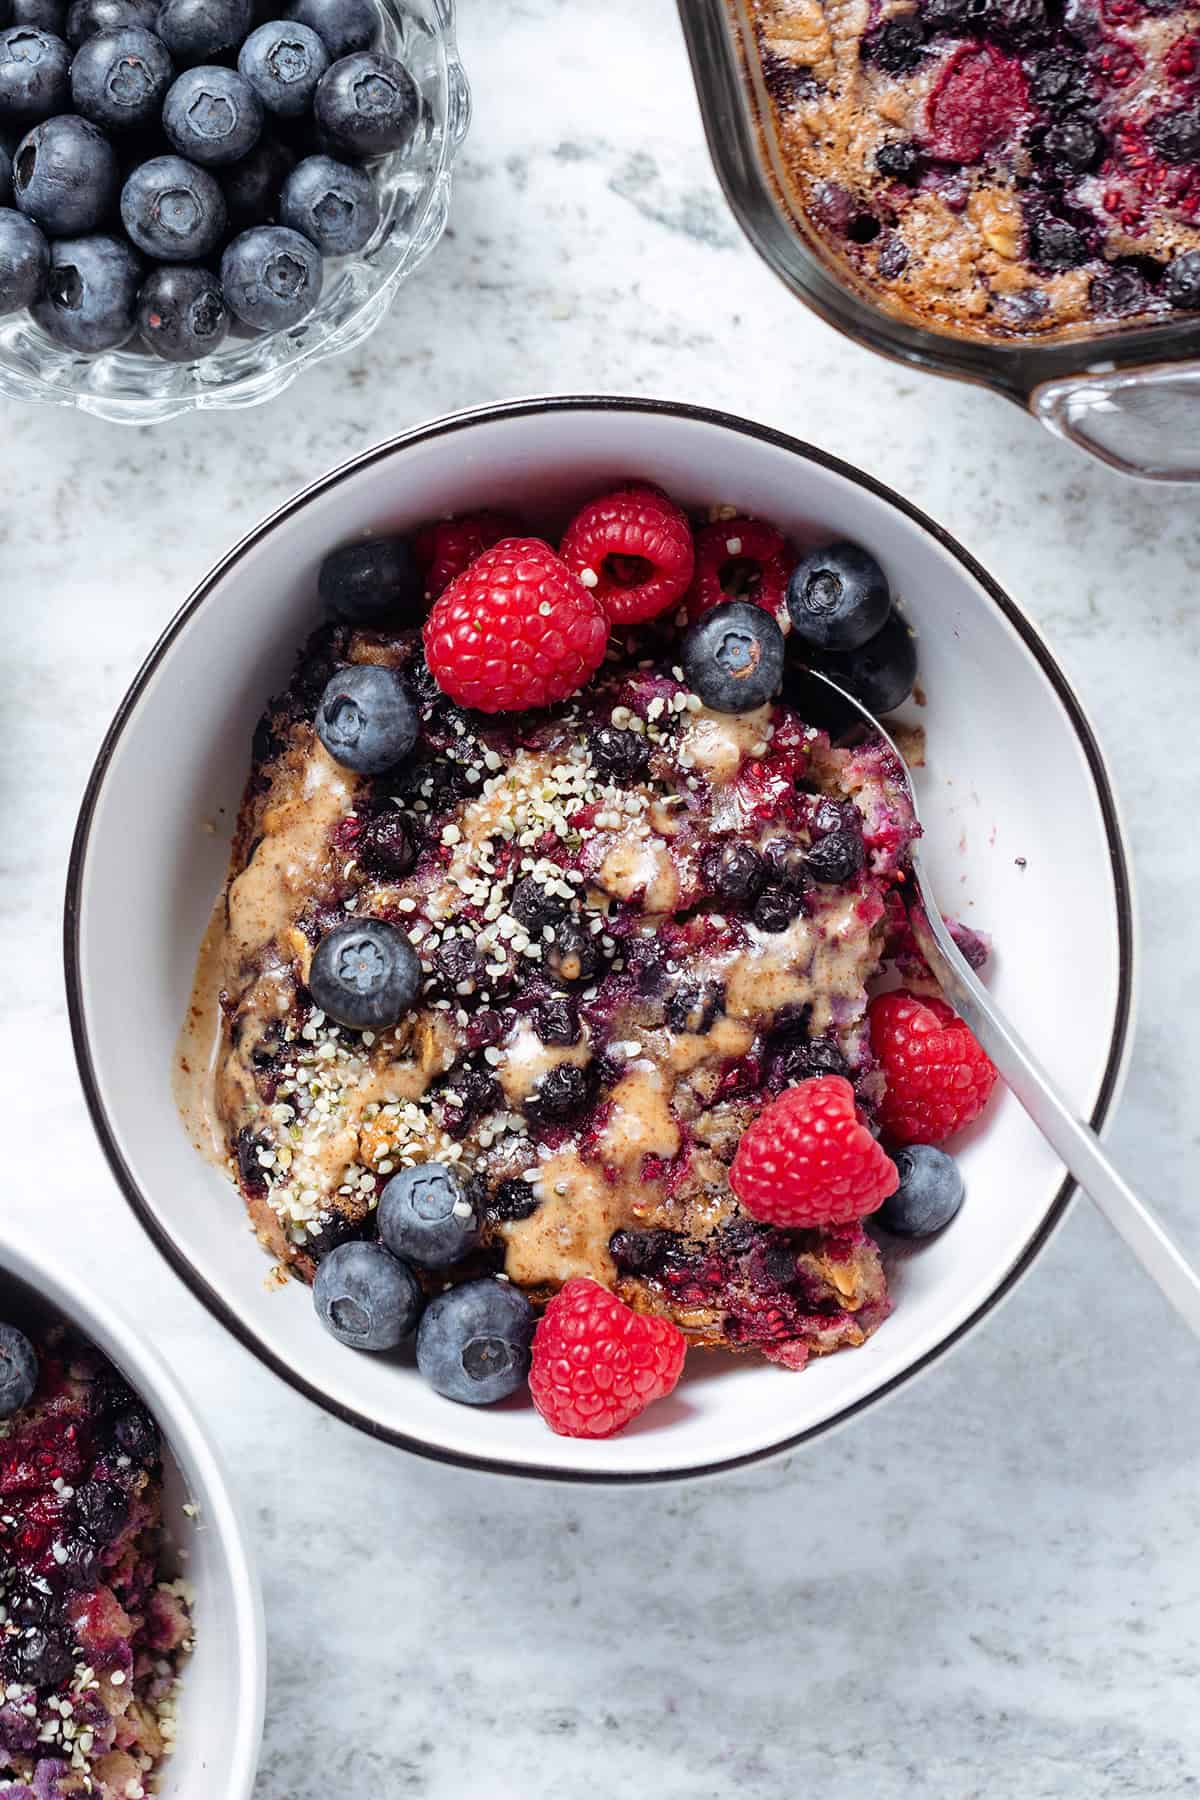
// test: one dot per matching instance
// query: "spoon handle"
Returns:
(1075, 1142)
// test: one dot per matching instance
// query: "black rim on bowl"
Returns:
(142, 1208)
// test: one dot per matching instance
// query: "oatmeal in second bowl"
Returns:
(567, 996)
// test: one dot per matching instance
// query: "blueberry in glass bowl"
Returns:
(369, 202)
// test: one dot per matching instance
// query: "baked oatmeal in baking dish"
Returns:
(92, 1631)
(1001, 167)
(542, 967)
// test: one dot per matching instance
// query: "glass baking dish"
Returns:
(1128, 395)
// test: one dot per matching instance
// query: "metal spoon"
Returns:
(1075, 1142)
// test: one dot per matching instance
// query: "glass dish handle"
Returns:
(1141, 421)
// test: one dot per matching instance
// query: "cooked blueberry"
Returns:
(896, 46)
(35, 80)
(65, 176)
(1017, 22)
(880, 674)
(212, 116)
(196, 31)
(384, 847)
(929, 1195)
(1181, 283)
(334, 205)
(892, 256)
(252, 187)
(513, 1200)
(900, 159)
(1118, 290)
(1058, 80)
(458, 962)
(533, 904)
(181, 313)
(90, 302)
(283, 63)
(556, 1020)
(426, 1215)
(951, 15)
(18, 1370)
(370, 579)
(24, 260)
(30, 1598)
(733, 657)
(838, 597)
(366, 719)
(1056, 244)
(6, 186)
(45, 15)
(102, 1509)
(776, 907)
(119, 78)
(787, 864)
(473, 1342)
(694, 1005)
(1072, 147)
(1176, 135)
(136, 1436)
(342, 25)
(836, 858)
(562, 1093)
(366, 105)
(41, 1656)
(365, 1298)
(271, 277)
(734, 871)
(86, 17)
(620, 755)
(574, 954)
(365, 975)
(799, 1059)
(475, 1092)
(172, 210)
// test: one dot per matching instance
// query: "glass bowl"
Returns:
(132, 387)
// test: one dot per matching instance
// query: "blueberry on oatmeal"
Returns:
(18, 1370)
(366, 719)
(838, 597)
(426, 1215)
(733, 657)
(365, 975)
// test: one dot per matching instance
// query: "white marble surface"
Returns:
(990, 1586)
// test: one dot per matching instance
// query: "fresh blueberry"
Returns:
(86, 17)
(880, 673)
(41, 1657)
(172, 210)
(473, 1342)
(365, 1298)
(90, 302)
(342, 25)
(371, 579)
(283, 63)
(331, 203)
(6, 186)
(1181, 284)
(271, 277)
(18, 1370)
(24, 260)
(734, 871)
(836, 858)
(118, 78)
(426, 1216)
(44, 15)
(65, 176)
(366, 105)
(366, 719)
(365, 975)
(102, 1509)
(136, 1436)
(733, 657)
(212, 116)
(35, 75)
(838, 597)
(929, 1195)
(181, 313)
(252, 187)
(196, 31)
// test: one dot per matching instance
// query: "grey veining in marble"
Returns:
(991, 1586)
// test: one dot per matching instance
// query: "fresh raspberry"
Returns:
(447, 547)
(739, 559)
(809, 1160)
(978, 100)
(637, 546)
(597, 1364)
(515, 630)
(938, 1079)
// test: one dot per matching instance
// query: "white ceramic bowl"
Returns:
(224, 1679)
(1014, 773)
